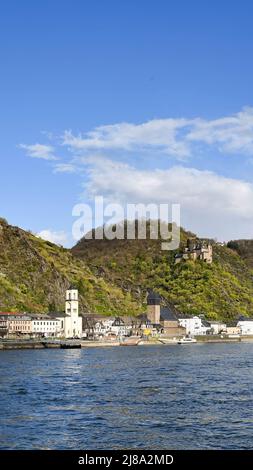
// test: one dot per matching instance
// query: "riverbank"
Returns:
(38, 344)
(67, 344)
(163, 341)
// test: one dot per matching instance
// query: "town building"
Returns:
(120, 328)
(100, 329)
(164, 319)
(170, 323)
(196, 250)
(246, 326)
(3, 326)
(153, 308)
(70, 321)
(67, 324)
(195, 325)
(233, 329)
(107, 327)
(44, 325)
(19, 324)
(29, 324)
(217, 327)
(92, 322)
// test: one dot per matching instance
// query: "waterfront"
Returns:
(154, 397)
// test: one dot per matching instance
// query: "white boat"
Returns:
(187, 340)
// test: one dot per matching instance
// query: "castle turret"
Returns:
(153, 313)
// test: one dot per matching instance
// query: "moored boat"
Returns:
(187, 340)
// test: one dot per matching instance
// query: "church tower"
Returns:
(71, 302)
(153, 302)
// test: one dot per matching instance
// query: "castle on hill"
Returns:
(196, 250)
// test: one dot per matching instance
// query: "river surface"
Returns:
(198, 396)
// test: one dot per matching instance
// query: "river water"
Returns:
(198, 396)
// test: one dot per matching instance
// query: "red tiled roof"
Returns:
(11, 313)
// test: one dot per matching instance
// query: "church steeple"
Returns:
(71, 302)
(153, 313)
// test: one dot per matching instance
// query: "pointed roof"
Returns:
(168, 314)
(72, 287)
(153, 298)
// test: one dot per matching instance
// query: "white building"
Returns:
(194, 325)
(246, 327)
(112, 325)
(217, 327)
(68, 324)
(45, 326)
(70, 321)
(100, 329)
(119, 328)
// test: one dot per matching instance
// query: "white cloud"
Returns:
(210, 204)
(190, 187)
(176, 137)
(45, 152)
(158, 133)
(59, 238)
(64, 168)
(233, 134)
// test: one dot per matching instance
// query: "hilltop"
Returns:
(113, 276)
(222, 290)
(35, 273)
(244, 248)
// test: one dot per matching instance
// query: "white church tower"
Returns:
(73, 323)
(71, 302)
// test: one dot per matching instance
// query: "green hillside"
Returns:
(113, 276)
(244, 248)
(34, 275)
(222, 290)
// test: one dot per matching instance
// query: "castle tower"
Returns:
(153, 313)
(71, 302)
(209, 255)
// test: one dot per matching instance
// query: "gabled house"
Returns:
(246, 325)
(195, 325)
(170, 323)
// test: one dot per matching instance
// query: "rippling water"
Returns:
(153, 397)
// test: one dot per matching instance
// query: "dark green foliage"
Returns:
(34, 275)
(113, 276)
(244, 248)
(223, 290)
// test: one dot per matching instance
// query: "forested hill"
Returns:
(113, 276)
(34, 275)
(244, 248)
(222, 290)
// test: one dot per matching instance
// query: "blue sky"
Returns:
(122, 99)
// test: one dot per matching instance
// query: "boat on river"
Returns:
(187, 340)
